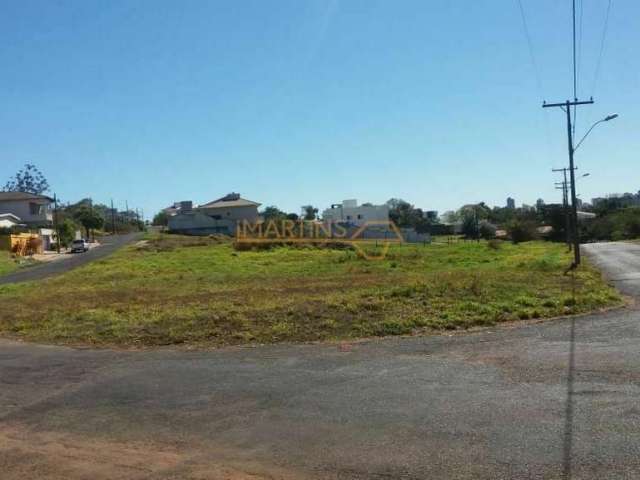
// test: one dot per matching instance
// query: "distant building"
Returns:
(218, 216)
(431, 215)
(619, 200)
(32, 210)
(177, 206)
(511, 203)
(348, 212)
(539, 204)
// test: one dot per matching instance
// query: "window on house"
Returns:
(34, 209)
(348, 217)
(359, 216)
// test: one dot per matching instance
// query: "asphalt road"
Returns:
(109, 245)
(559, 399)
(621, 263)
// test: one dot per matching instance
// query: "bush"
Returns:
(616, 225)
(522, 231)
(487, 230)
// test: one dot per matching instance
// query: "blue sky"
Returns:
(292, 102)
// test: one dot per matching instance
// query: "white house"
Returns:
(349, 212)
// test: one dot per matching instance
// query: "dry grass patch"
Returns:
(191, 290)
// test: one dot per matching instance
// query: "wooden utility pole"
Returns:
(566, 106)
(56, 227)
(113, 219)
(564, 186)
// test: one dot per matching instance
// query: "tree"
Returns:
(402, 213)
(272, 213)
(88, 218)
(66, 232)
(310, 212)
(470, 226)
(161, 219)
(450, 217)
(29, 180)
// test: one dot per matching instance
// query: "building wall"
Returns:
(357, 215)
(197, 223)
(249, 213)
(21, 209)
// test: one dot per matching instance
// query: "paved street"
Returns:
(556, 399)
(109, 245)
(620, 261)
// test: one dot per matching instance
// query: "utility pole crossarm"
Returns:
(567, 103)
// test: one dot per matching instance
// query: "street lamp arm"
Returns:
(586, 134)
(605, 119)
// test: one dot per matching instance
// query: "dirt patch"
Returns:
(25, 453)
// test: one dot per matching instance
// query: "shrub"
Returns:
(522, 231)
(487, 230)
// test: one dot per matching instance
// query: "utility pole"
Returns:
(566, 106)
(55, 221)
(564, 185)
(113, 219)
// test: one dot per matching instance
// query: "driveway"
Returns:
(559, 399)
(109, 245)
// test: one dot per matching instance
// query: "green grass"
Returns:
(199, 291)
(9, 264)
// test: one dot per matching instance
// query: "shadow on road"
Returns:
(568, 418)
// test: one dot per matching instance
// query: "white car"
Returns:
(79, 246)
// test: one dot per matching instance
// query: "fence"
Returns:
(21, 244)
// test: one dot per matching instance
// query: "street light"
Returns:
(605, 119)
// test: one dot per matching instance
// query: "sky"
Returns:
(295, 102)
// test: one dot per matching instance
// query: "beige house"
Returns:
(31, 209)
(218, 216)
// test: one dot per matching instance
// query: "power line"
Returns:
(577, 68)
(575, 76)
(602, 43)
(575, 72)
(536, 71)
(530, 45)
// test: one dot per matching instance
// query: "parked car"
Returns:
(79, 246)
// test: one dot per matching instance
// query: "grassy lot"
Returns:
(9, 264)
(199, 291)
